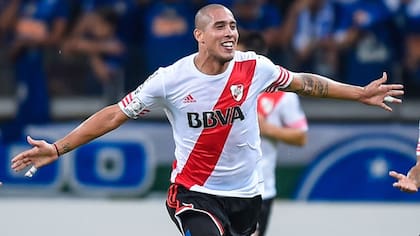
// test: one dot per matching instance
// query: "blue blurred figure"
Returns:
(312, 38)
(129, 30)
(407, 17)
(125, 11)
(95, 37)
(168, 37)
(366, 36)
(40, 24)
(227, 3)
(8, 11)
(260, 16)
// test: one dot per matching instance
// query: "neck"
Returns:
(209, 65)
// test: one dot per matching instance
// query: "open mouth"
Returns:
(228, 45)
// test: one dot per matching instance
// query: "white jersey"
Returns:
(214, 120)
(281, 109)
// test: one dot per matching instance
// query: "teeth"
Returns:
(227, 44)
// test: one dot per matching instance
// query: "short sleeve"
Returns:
(145, 98)
(283, 80)
(271, 77)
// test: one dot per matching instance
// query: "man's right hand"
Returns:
(41, 154)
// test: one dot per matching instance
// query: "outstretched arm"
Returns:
(375, 93)
(410, 182)
(43, 153)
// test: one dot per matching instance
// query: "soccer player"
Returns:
(410, 182)
(210, 99)
(281, 119)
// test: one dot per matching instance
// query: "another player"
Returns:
(410, 182)
(281, 119)
(210, 99)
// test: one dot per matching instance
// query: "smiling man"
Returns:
(210, 98)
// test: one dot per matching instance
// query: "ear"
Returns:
(198, 35)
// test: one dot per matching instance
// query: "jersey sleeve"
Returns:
(145, 98)
(283, 80)
(276, 78)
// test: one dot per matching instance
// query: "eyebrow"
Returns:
(224, 22)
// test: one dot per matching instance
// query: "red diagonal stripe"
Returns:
(209, 145)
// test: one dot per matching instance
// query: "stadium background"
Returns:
(339, 179)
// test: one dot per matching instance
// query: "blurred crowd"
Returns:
(108, 47)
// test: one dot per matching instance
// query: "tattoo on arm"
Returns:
(66, 148)
(313, 86)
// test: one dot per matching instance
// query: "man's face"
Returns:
(220, 35)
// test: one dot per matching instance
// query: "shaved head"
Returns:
(203, 16)
(217, 35)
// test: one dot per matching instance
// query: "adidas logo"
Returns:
(189, 99)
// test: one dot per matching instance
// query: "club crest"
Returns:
(136, 105)
(237, 91)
